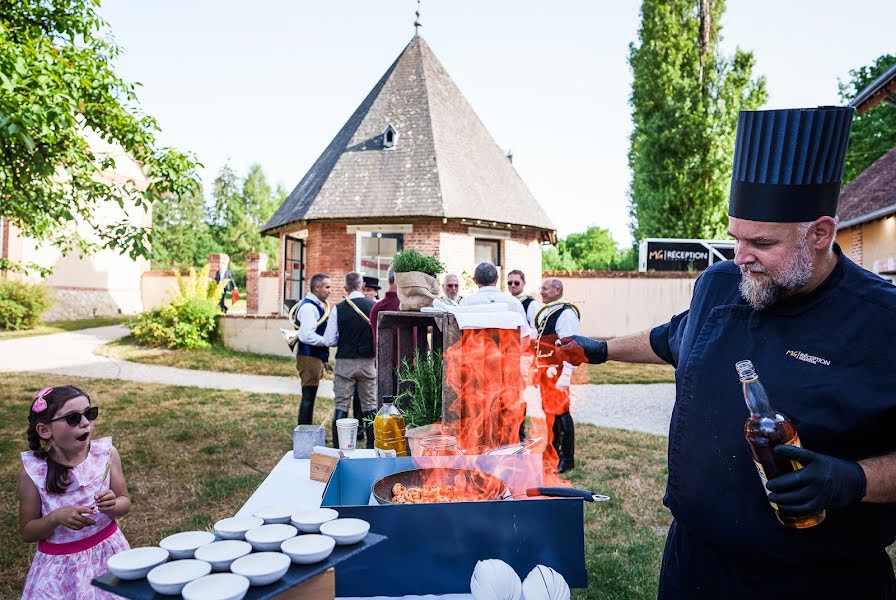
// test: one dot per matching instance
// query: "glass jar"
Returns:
(439, 445)
(389, 431)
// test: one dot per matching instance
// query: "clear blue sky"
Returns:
(272, 81)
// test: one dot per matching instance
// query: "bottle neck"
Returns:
(756, 399)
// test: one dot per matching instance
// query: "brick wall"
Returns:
(858, 245)
(256, 262)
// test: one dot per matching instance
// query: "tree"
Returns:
(685, 100)
(240, 209)
(873, 133)
(180, 237)
(593, 250)
(57, 82)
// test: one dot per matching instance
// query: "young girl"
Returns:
(71, 490)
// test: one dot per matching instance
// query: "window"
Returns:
(487, 251)
(293, 271)
(374, 253)
(390, 136)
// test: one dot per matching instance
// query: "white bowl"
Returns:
(309, 521)
(217, 586)
(235, 528)
(346, 531)
(220, 554)
(262, 568)
(184, 545)
(170, 578)
(273, 513)
(136, 562)
(308, 549)
(268, 538)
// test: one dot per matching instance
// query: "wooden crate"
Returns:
(399, 334)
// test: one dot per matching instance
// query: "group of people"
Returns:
(350, 327)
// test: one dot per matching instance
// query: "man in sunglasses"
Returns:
(516, 281)
(451, 289)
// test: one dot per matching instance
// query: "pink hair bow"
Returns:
(40, 405)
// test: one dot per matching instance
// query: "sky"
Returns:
(272, 82)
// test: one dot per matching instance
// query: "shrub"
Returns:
(411, 260)
(22, 304)
(421, 377)
(188, 320)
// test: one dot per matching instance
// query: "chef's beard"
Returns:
(760, 293)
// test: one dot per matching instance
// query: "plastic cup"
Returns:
(347, 431)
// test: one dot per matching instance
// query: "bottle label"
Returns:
(386, 453)
(794, 441)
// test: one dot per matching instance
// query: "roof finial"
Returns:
(417, 23)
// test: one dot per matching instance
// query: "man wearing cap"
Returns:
(371, 288)
(312, 353)
(819, 330)
(348, 329)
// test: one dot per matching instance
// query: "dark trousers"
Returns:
(693, 570)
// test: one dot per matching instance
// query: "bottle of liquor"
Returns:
(765, 429)
(389, 431)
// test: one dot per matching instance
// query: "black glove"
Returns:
(823, 482)
(577, 349)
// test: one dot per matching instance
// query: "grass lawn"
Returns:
(61, 326)
(194, 456)
(215, 358)
(620, 372)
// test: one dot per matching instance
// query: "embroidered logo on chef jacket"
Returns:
(805, 357)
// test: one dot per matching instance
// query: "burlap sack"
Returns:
(416, 290)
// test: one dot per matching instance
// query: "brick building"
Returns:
(413, 167)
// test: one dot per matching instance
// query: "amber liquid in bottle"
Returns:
(764, 430)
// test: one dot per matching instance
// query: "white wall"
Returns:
(258, 334)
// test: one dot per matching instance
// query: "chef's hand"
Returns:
(577, 349)
(823, 482)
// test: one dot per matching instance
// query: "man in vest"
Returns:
(516, 282)
(451, 290)
(557, 320)
(348, 329)
(312, 354)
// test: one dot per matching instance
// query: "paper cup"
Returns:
(347, 431)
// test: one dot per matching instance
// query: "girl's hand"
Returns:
(105, 501)
(73, 517)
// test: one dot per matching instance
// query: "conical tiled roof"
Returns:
(444, 163)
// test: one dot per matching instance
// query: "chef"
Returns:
(820, 331)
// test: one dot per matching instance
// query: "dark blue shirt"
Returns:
(826, 359)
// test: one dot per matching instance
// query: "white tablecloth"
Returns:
(289, 483)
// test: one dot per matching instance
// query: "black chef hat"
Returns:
(371, 283)
(788, 163)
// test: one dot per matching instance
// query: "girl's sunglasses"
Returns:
(73, 419)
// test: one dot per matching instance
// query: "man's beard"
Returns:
(760, 293)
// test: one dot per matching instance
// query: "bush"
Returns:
(22, 304)
(188, 320)
(411, 260)
(421, 378)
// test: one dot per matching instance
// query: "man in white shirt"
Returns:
(557, 320)
(451, 289)
(348, 329)
(516, 282)
(486, 277)
(312, 353)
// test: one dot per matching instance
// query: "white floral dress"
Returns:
(67, 561)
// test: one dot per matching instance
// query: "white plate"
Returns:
(235, 528)
(309, 521)
(273, 513)
(170, 578)
(346, 531)
(220, 554)
(217, 586)
(308, 549)
(136, 562)
(184, 545)
(268, 538)
(261, 568)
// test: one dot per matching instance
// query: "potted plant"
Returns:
(415, 277)
(420, 377)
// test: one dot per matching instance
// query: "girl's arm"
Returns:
(115, 501)
(32, 526)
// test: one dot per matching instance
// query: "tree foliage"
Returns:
(873, 133)
(181, 236)
(57, 84)
(685, 99)
(592, 250)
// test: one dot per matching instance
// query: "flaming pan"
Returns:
(471, 484)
